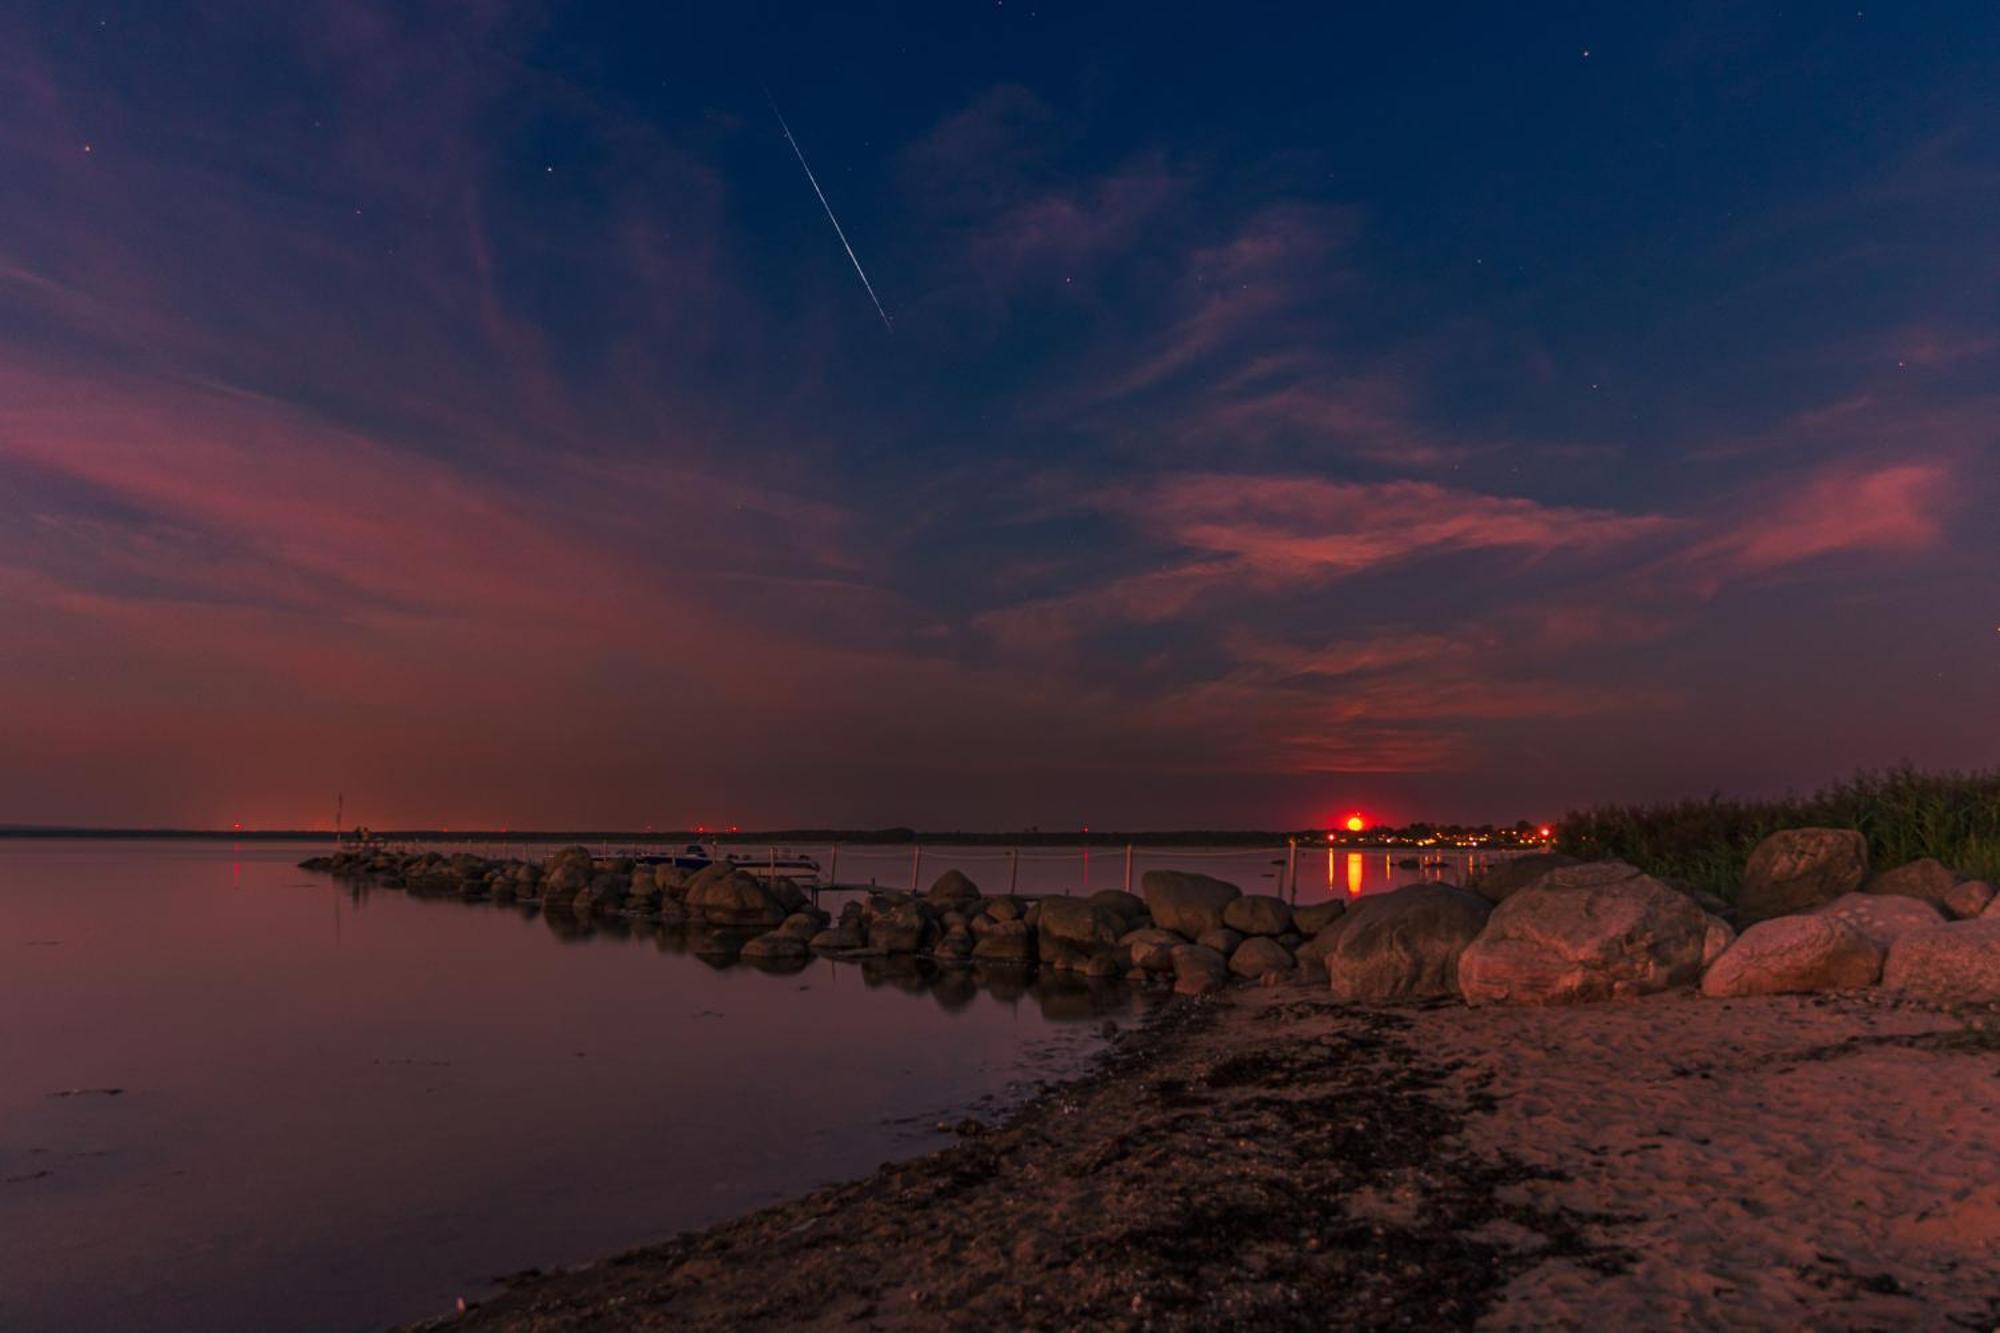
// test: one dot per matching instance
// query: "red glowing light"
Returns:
(1355, 823)
(1547, 833)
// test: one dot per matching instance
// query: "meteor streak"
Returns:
(859, 271)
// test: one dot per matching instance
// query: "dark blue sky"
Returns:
(1458, 412)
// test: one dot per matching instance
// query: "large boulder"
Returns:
(1186, 903)
(1796, 870)
(1258, 914)
(1927, 880)
(732, 898)
(1505, 878)
(1222, 939)
(1198, 970)
(567, 874)
(1007, 942)
(1310, 921)
(1404, 945)
(1881, 917)
(1129, 906)
(606, 892)
(788, 894)
(1258, 956)
(1957, 961)
(952, 887)
(1598, 931)
(904, 928)
(1789, 954)
(1078, 922)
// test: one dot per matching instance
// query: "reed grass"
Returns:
(1904, 814)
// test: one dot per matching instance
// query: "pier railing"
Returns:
(904, 866)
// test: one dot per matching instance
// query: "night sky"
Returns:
(1449, 411)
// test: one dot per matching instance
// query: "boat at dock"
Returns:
(778, 862)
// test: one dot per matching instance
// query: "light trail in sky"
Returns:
(887, 323)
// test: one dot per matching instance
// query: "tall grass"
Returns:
(1904, 815)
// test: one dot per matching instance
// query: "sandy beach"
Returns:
(1270, 1159)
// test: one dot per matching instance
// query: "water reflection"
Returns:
(398, 1061)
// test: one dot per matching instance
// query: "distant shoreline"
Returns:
(1256, 838)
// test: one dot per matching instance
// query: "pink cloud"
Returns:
(1845, 508)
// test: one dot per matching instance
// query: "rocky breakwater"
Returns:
(1186, 932)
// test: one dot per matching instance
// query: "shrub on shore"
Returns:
(1904, 815)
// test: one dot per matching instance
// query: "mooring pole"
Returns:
(1128, 867)
(1013, 871)
(1292, 866)
(833, 865)
(916, 863)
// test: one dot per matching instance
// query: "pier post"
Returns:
(1292, 867)
(916, 865)
(1013, 870)
(833, 865)
(1128, 867)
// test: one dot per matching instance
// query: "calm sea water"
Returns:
(337, 1110)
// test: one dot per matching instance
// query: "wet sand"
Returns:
(1268, 1159)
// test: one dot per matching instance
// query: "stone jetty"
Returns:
(1535, 930)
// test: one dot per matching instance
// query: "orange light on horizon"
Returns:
(1355, 823)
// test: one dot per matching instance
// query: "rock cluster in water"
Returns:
(1188, 932)
(1538, 929)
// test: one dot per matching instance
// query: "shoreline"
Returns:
(1271, 1158)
